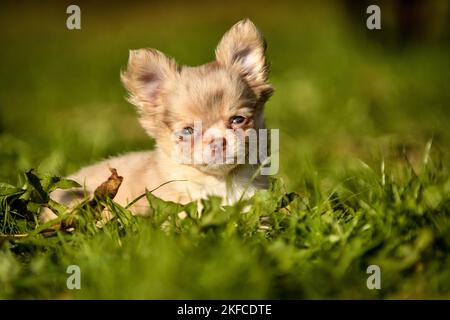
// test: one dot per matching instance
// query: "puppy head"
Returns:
(199, 115)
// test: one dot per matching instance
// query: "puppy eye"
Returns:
(187, 131)
(237, 120)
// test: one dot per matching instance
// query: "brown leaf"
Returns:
(107, 189)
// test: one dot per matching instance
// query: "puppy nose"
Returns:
(218, 143)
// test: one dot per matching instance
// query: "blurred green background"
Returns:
(343, 93)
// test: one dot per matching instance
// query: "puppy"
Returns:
(200, 117)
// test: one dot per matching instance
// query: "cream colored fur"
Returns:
(169, 98)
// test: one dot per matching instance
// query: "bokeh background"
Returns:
(345, 95)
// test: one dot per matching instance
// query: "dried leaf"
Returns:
(107, 190)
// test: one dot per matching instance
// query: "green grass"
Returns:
(364, 145)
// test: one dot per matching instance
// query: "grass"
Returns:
(364, 175)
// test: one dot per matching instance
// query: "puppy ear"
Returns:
(146, 76)
(243, 48)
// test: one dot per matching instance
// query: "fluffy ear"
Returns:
(243, 48)
(147, 73)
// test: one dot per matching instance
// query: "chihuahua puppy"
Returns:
(196, 115)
